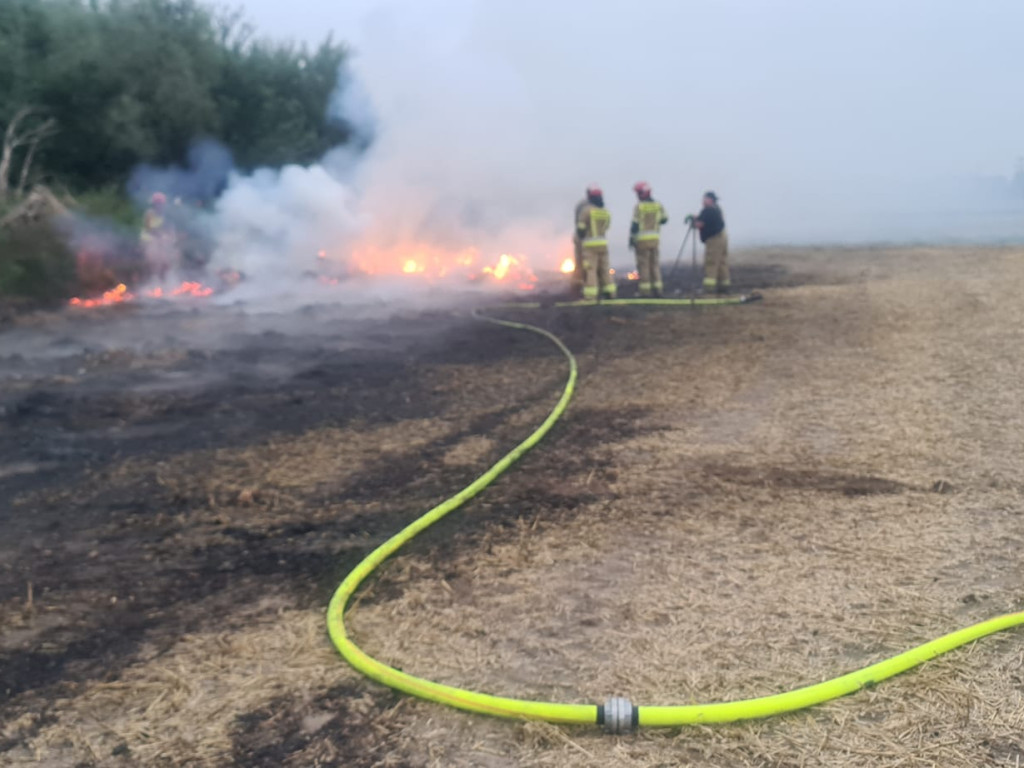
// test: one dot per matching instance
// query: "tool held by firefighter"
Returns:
(711, 224)
(645, 239)
(157, 238)
(682, 250)
(592, 223)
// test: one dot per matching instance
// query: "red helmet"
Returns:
(158, 198)
(642, 188)
(594, 191)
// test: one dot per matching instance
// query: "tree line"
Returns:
(89, 89)
(92, 89)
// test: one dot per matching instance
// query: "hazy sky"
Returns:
(813, 120)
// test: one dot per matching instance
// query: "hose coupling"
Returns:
(618, 715)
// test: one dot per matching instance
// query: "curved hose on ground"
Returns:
(617, 714)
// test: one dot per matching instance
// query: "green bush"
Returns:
(134, 82)
(138, 81)
(36, 263)
(110, 204)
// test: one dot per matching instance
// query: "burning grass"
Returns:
(426, 264)
(120, 294)
(432, 264)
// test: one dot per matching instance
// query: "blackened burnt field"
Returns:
(739, 501)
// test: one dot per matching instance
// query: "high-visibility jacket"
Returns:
(153, 224)
(648, 216)
(592, 225)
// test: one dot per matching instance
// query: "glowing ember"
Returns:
(155, 293)
(568, 267)
(229, 277)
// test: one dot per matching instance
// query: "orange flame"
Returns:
(120, 295)
(197, 290)
(568, 267)
(514, 267)
(411, 260)
(634, 275)
(500, 270)
(116, 295)
(432, 263)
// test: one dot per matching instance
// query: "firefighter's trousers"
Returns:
(648, 267)
(716, 267)
(597, 277)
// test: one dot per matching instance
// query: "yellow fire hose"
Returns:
(617, 715)
(700, 301)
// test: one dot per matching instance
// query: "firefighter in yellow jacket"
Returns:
(157, 238)
(592, 224)
(645, 239)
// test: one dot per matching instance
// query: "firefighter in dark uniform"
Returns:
(711, 224)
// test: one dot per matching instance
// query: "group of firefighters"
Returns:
(162, 249)
(592, 222)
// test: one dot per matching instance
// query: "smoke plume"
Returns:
(837, 122)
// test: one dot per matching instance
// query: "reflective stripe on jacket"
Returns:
(648, 216)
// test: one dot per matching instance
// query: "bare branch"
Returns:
(14, 138)
(42, 131)
(26, 165)
(11, 134)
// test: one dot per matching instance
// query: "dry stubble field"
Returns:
(739, 501)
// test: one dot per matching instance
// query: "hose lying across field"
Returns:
(617, 714)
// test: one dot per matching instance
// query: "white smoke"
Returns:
(203, 177)
(273, 223)
(430, 176)
(814, 122)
